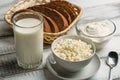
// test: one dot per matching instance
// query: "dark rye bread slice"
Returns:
(53, 14)
(60, 10)
(46, 26)
(50, 25)
(67, 6)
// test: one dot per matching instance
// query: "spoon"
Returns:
(112, 60)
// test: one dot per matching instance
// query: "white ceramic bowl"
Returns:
(70, 65)
(99, 41)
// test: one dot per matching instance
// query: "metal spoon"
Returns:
(112, 60)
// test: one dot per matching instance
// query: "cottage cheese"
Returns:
(73, 50)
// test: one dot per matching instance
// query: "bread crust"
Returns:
(67, 6)
(52, 25)
(58, 15)
(60, 10)
(46, 26)
(53, 14)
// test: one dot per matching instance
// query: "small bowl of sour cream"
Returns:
(100, 31)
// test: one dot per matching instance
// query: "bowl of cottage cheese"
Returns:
(100, 31)
(73, 52)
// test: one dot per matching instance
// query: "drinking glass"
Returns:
(28, 37)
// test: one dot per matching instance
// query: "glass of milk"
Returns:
(28, 36)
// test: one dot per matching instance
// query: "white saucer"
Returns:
(85, 73)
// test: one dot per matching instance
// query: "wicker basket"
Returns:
(48, 37)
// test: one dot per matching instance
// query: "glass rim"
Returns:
(27, 11)
(113, 31)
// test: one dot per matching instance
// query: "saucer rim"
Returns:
(49, 67)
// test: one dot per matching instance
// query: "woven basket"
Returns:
(48, 37)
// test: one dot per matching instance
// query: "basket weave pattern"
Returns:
(48, 37)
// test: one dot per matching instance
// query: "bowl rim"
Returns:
(68, 37)
(113, 31)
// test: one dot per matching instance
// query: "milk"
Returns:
(29, 42)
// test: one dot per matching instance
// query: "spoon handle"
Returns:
(110, 76)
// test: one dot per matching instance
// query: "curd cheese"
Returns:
(73, 50)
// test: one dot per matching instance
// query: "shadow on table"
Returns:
(50, 76)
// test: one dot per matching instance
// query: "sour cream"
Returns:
(99, 32)
(101, 28)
